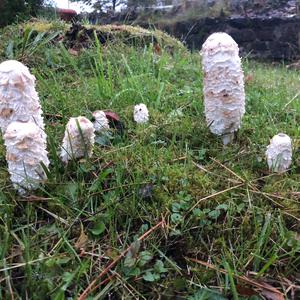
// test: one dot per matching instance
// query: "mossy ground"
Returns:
(219, 204)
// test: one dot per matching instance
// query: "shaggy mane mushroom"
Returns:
(224, 95)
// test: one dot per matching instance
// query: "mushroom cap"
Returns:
(98, 114)
(281, 139)
(15, 72)
(101, 122)
(219, 41)
(12, 65)
(83, 122)
(141, 113)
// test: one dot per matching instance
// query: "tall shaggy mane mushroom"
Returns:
(224, 95)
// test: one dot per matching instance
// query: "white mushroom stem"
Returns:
(141, 114)
(25, 154)
(79, 139)
(279, 153)
(224, 95)
(101, 123)
(19, 100)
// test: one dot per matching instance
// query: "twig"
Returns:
(229, 170)
(33, 198)
(242, 278)
(24, 264)
(213, 195)
(91, 286)
(287, 104)
(214, 174)
(55, 216)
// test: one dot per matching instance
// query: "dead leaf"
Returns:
(270, 292)
(245, 291)
(157, 49)
(249, 78)
(73, 52)
(82, 240)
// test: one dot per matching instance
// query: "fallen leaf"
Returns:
(157, 49)
(82, 240)
(73, 52)
(249, 78)
(245, 291)
(270, 292)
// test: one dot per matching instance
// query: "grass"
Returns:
(219, 205)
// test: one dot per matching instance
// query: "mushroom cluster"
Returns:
(22, 123)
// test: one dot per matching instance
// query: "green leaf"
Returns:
(214, 214)
(222, 206)
(98, 228)
(176, 218)
(103, 140)
(129, 261)
(205, 294)
(145, 257)
(159, 267)
(134, 272)
(150, 277)
(176, 207)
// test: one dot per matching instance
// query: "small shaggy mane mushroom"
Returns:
(279, 153)
(25, 151)
(79, 139)
(19, 100)
(101, 122)
(224, 95)
(141, 114)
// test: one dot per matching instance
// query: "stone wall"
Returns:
(260, 37)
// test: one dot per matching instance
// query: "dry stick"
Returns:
(229, 170)
(54, 216)
(295, 97)
(214, 174)
(242, 278)
(213, 195)
(90, 287)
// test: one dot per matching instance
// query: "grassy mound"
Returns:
(158, 196)
(26, 40)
